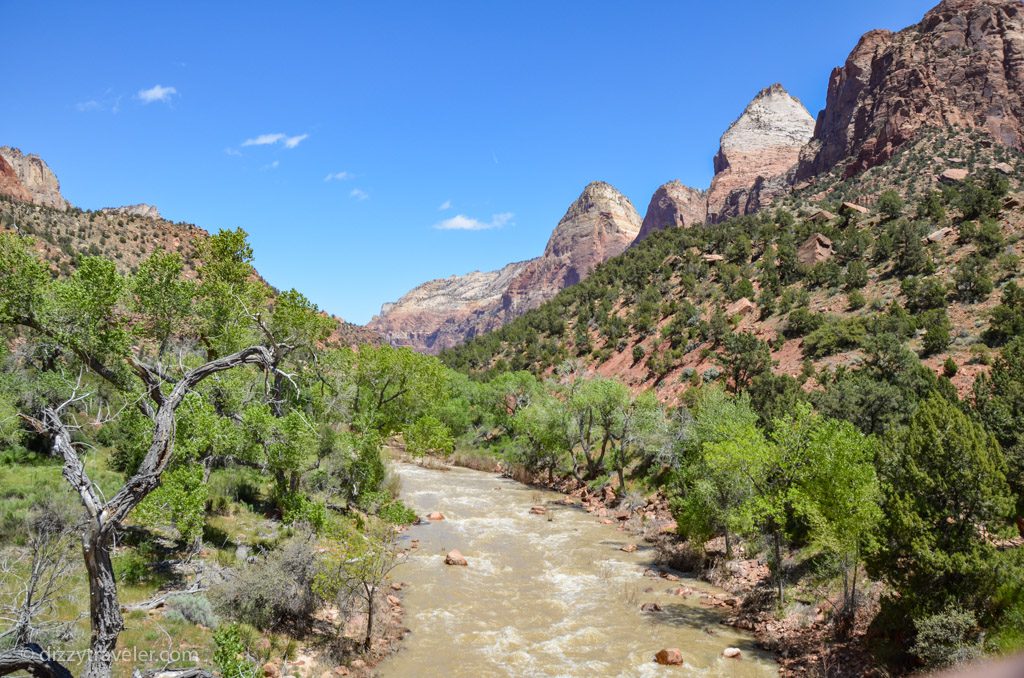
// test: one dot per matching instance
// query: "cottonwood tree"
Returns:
(89, 316)
(721, 447)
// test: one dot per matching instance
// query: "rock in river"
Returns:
(669, 657)
(454, 557)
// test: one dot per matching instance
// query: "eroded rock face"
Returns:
(442, 313)
(963, 66)
(758, 153)
(673, 205)
(10, 184)
(35, 178)
(140, 210)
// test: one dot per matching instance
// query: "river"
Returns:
(543, 597)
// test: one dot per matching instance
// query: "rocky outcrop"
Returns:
(10, 184)
(758, 153)
(36, 179)
(673, 205)
(140, 210)
(442, 313)
(961, 66)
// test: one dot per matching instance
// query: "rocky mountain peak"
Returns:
(34, 177)
(598, 215)
(673, 205)
(961, 66)
(757, 152)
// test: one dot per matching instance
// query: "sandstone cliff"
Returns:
(757, 153)
(140, 210)
(36, 182)
(673, 205)
(600, 224)
(961, 66)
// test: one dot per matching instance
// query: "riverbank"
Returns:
(803, 640)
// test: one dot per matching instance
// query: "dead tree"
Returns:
(104, 518)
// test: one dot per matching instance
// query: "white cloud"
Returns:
(460, 222)
(359, 194)
(264, 140)
(90, 105)
(446, 205)
(233, 151)
(156, 93)
(276, 138)
(272, 166)
(338, 176)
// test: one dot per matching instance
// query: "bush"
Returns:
(195, 609)
(835, 336)
(638, 353)
(950, 368)
(397, 513)
(937, 328)
(890, 205)
(855, 300)
(276, 590)
(947, 638)
(802, 321)
(973, 282)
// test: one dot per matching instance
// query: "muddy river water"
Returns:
(543, 597)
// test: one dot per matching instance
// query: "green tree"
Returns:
(720, 451)
(745, 357)
(937, 332)
(429, 435)
(943, 481)
(890, 205)
(999, 403)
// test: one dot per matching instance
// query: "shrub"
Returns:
(195, 609)
(947, 638)
(802, 321)
(890, 205)
(856, 275)
(276, 590)
(397, 513)
(972, 279)
(937, 328)
(638, 353)
(835, 336)
(855, 300)
(950, 368)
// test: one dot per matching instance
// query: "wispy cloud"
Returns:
(446, 205)
(359, 194)
(460, 222)
(276, 138)
(156, 93)
(108, 101)
(264, 140)
(272, 166)
(338, 176)
(232, 151)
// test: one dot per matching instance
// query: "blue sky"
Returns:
(341, 135)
